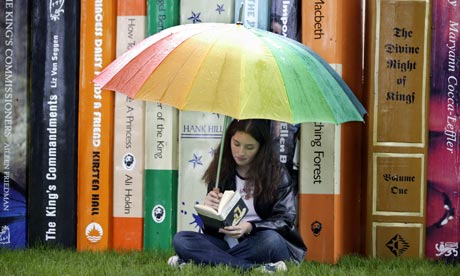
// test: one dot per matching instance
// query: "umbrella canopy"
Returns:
(233, 70)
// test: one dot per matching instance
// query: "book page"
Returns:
(226, 197)
(224, 209)
(211, 212)
(208, 211)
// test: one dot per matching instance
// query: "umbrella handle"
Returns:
(221, 151)
(240, 15)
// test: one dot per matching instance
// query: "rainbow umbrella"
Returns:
(233, 70)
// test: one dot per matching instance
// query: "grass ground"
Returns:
(46, 261)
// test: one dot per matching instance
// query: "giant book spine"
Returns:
(285, 18)
(128, 150)
(254, 14)
(330, 155)
(443, 187)
(161, 177)
(14, 123)
(54, 101)
(284, 21)
(397, 50)
(95, 127)
(199, 132)
(161, 122)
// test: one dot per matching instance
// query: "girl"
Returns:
(267, 236)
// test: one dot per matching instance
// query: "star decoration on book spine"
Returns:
(212, 152)
(195, 17)
(196, 160)
(220, 8)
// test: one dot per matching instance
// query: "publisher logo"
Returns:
(5, 234)
(447, 249)
(158, 213)
(94, 232)
(129, 161)
(56, 9)
(316, 228)
(397, 245)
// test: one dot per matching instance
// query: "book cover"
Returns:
(161, 148)
(397, 50)
(95, 127)
(53, 130)
(199, 133)
(14, 122)
(442, 212)
(285, 18)
(330, 155)
(128, 151)
(254, 14)
(231, 211)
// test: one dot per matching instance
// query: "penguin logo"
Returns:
(316, 228)
(158, 213)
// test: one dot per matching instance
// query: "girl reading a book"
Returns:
(267, 236)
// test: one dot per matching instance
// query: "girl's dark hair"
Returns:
(264, 170)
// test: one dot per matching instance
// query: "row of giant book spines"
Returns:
(86, 6)
(155, 213)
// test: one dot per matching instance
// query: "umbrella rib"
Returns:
(212, 46)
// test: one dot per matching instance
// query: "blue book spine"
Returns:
(14, 79)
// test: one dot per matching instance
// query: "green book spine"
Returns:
(161, 15)
(160, 190)
(160, 199)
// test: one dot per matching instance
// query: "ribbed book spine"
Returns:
(53, 148)
(14, 122)
(397, 89)
(128, 150)
(443, 187)
(330, 155)
(199, 132)
(95, 127)
(161, 147)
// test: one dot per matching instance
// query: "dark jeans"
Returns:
(261, 247)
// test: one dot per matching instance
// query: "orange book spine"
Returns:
(397, 50)
(128, 148)
(95, 131)
(330, 162)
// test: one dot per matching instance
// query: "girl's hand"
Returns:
(237, 231)
(213, 199)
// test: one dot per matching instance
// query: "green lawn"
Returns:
(42, 261)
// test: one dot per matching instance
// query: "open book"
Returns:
(230, 211)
